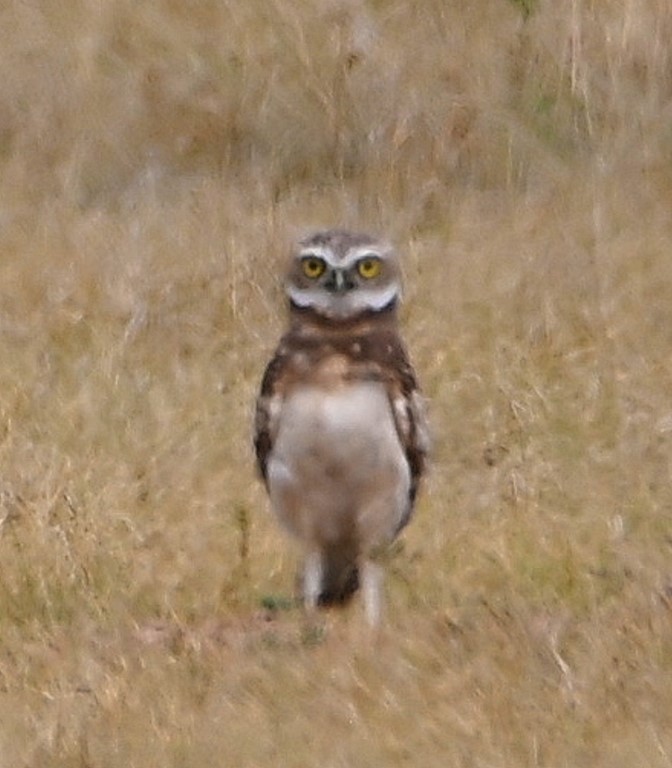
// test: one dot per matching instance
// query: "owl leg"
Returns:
(312, 579)
(372, 582)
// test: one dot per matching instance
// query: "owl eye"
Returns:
(369, 267)
(313, 267)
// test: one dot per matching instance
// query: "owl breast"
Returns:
(337, 470)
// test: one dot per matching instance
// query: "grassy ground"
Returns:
(156, 158)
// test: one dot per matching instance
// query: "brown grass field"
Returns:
(156, 159)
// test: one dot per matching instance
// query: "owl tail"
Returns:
(340, 579)
(339, 575)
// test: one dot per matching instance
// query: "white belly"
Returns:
(337, 470)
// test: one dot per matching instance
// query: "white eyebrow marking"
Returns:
(317, 252)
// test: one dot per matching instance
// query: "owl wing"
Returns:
(269, 403)
(411, 423)
(410, 418)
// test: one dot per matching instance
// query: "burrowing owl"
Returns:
(341, 436)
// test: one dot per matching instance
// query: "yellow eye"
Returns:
(313, 267)
(369, 267)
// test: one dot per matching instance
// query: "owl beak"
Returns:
(338, 282)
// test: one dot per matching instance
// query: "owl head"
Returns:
(341, 275)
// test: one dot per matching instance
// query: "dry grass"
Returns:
(155, 158)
